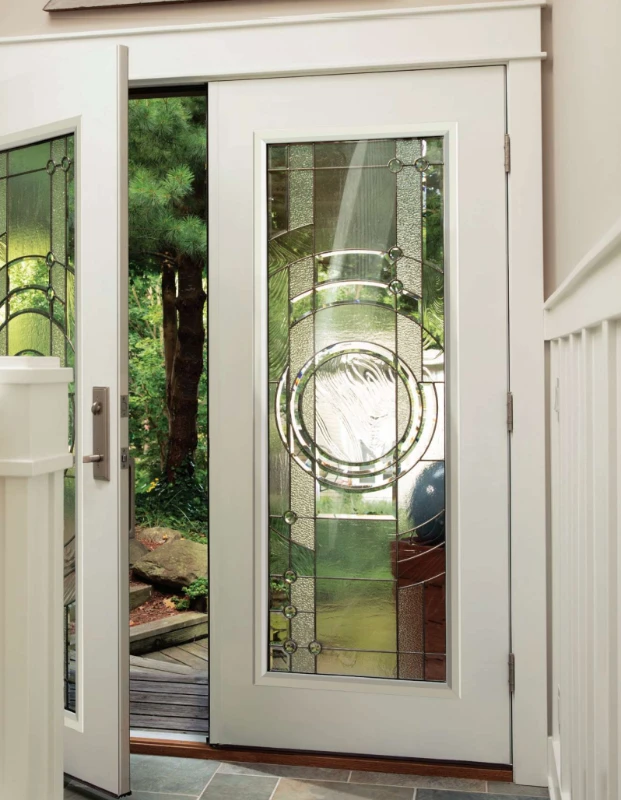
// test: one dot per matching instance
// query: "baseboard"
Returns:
(407, 766)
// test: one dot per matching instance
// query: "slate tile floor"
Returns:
(158, 778)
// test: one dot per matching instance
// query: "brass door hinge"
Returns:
(507, 153)
(512, 673)
(124, 406)
(510, 412)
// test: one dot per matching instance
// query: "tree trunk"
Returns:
(169, 324)
(188, 365)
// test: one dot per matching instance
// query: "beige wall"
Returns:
(26, 17)
(582, 130)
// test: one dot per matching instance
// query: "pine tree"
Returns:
(168, 240)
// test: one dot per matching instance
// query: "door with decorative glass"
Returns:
(359, 464)
(63, 208)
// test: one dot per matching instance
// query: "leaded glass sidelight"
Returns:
(37, 299)
(355, 259)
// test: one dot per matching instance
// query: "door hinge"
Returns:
(510, 412)
(512, 673)
(507, 153)
(124, 458)
(124, 406)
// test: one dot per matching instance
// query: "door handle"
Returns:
(100, 410)
(132, 497)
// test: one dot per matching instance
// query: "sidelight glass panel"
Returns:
(37, 302)
(356, 472)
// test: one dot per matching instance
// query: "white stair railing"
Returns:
(33, 456)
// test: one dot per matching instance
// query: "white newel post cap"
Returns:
(34, 407)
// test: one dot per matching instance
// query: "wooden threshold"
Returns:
(252, 755)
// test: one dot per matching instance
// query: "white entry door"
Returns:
(359, 450)
(63, 210)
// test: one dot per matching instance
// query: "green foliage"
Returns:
(167, 152)
(197, 589)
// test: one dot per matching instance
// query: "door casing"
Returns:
(506, 33)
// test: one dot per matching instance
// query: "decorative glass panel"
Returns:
(37, 300)
(356, 408)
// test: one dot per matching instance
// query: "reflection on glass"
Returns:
(37, 301)
(356, 408)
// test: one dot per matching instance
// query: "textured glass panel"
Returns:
(301, 277)
(357, 406)
(288, 248)
(355, 213)
(29, 333)
(278, 323)
(28, 215)
(301, 198)
(349, 265)
(433, 215)
(278, 203)
(356, 548)
(3, 184)
(303, 594)
(345, 154)
(350, 662)
(3, 164)
(355, 323)
(279, 462)
(277, 156)
(25, 159)
(300, 156)
(433, 149)
(360, 615)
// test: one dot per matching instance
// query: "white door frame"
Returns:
(506, 33)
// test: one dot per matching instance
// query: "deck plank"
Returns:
(187, 658)
(182, 724)
(195, 649)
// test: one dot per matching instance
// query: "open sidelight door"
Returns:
(63, 250)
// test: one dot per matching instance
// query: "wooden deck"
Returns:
(169, 689)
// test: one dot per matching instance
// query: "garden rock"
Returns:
(157, 535)
(174, 565)
(137, 550)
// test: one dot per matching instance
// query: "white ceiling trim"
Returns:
(273, 22)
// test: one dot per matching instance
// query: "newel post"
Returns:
(33, 455)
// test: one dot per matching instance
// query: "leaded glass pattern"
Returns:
(357, 563)
(37, 300)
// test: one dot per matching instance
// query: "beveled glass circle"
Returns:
(421, 164)
(65, 163)
(50, 167)
(395, 253)
(290, 517)
(396, 286)
(50, 259)
(290, 646)
(315, 648)
(290, 576)
(290, 611)
(395, 165)
(51, 294)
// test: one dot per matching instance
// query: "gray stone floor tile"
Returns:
(239, 787)
(160, 796)
(514, 789)
(442, 794)
(394, 779)
(285, 771)
(187, 776)
(325, 790)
